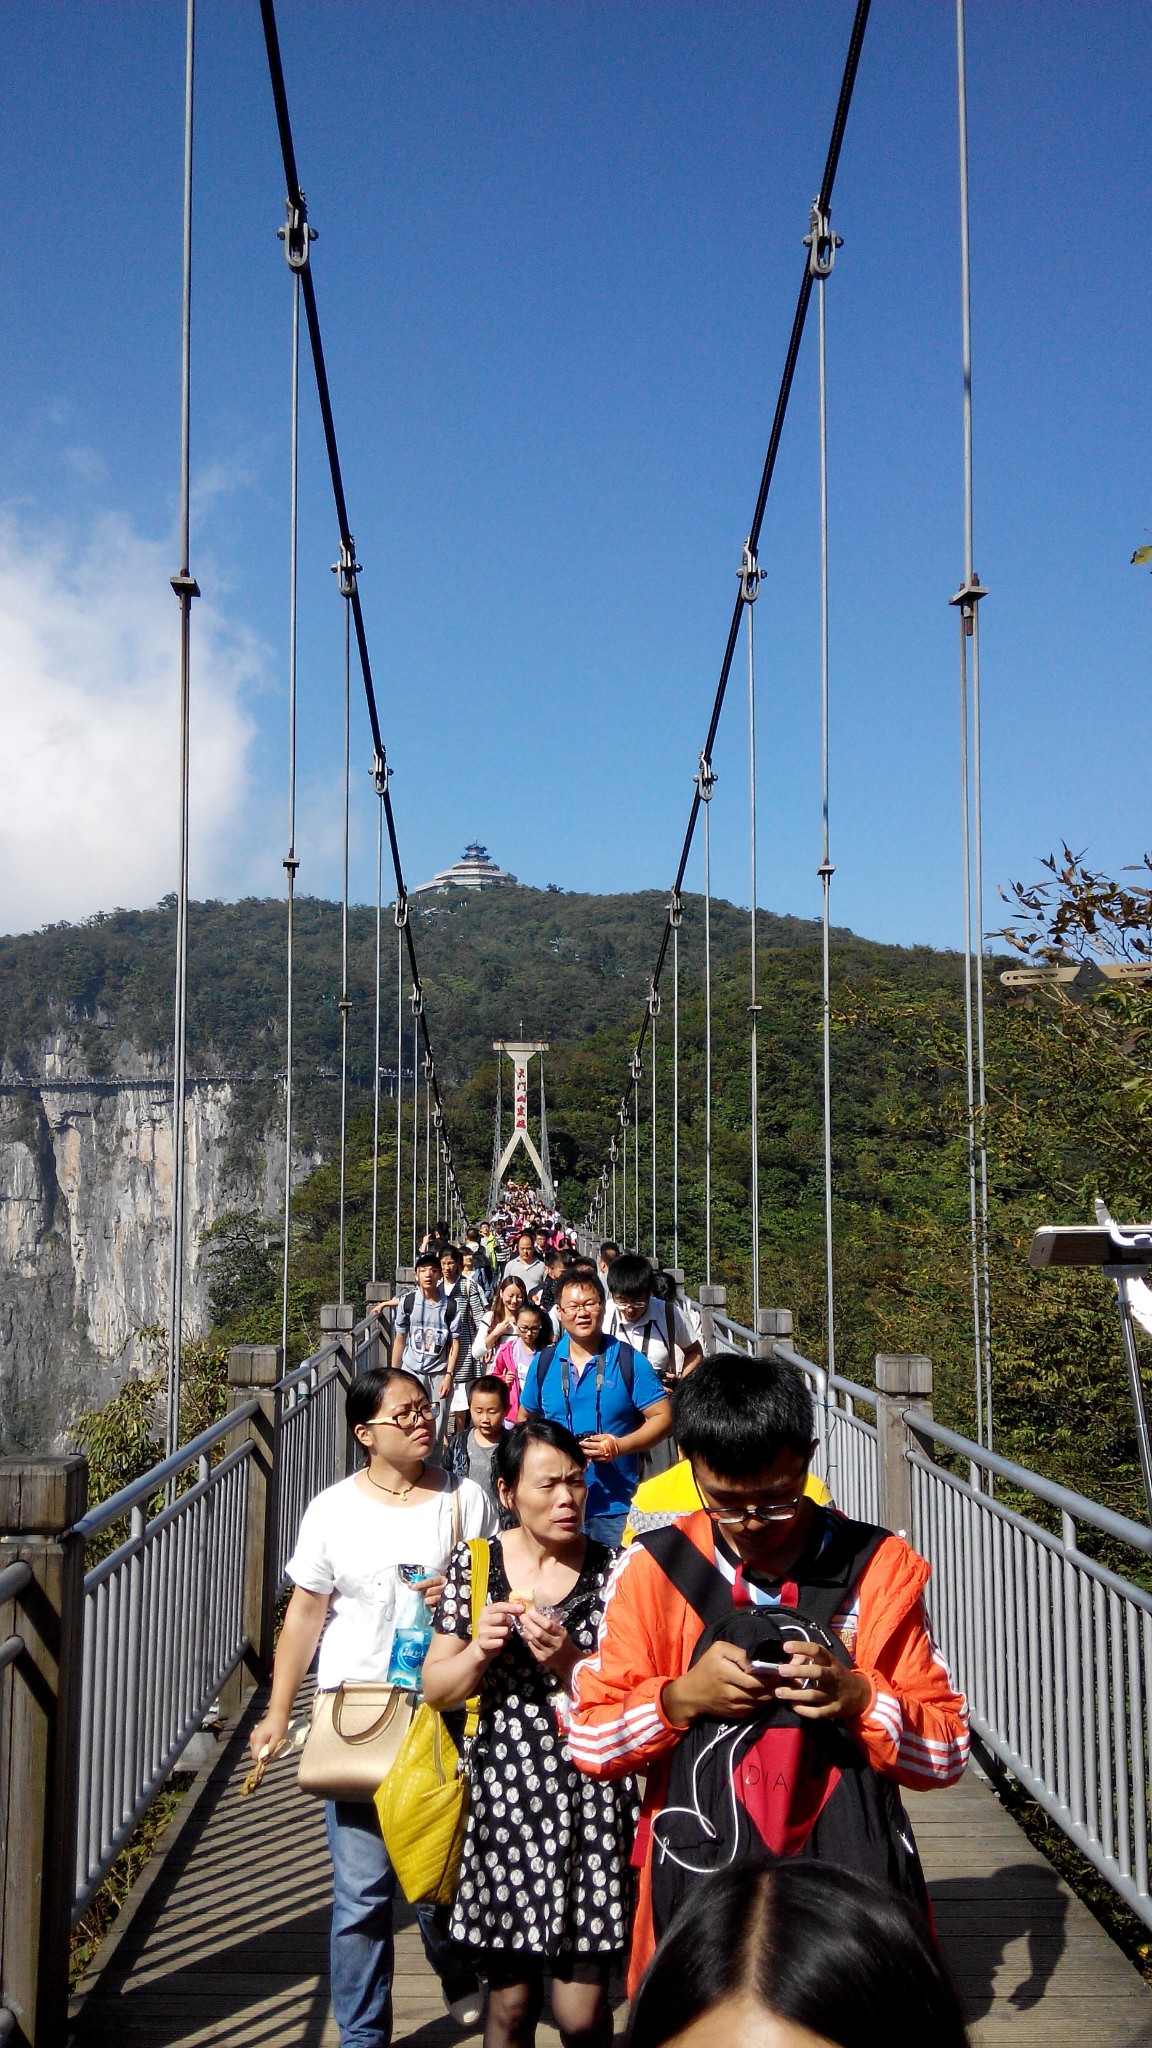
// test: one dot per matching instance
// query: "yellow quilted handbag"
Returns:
(423, 1804)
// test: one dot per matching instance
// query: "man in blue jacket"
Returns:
(606, 1393)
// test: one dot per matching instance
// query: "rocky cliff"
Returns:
(85, 1223)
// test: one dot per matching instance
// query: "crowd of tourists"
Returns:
(685, 1689)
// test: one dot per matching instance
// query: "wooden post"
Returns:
(380, 1347)
(711, 1299)
(40, 1501)
(337, 1319)
(903, 1380)
(773, 1326)
(253, 1370)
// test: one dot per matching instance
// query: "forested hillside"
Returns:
(1068, 1118)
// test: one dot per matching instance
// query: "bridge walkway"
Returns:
(225, 1941)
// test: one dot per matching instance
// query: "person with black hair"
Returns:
(796, 1955)
(544, 1878)
(658, 1328)
(605, 1392)
(767, 1662)
(398, 1510)
(426, 1336)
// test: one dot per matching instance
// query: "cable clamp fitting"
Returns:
(705, 779)
(613, 1152)
(381, 774)
(654, 1001)
(297, 236)
(416, 1000)
(347, 569)
(636, 1066)
(968, 597)
(750, 573)
(429, 1063)
(400, 912)
(438, 1118)
(821, 243)
(676, 911)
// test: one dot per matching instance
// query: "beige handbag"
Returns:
(358, 1730)
(354, 1740)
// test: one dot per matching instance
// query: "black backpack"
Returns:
(744, 1792)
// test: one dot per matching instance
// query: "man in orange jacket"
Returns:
(875, 1693)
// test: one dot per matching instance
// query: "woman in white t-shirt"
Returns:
(397, 1510)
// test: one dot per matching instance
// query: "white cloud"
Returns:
(89, 739)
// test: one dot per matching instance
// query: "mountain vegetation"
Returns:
(1070, 1095)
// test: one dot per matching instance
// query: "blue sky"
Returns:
(559, 250)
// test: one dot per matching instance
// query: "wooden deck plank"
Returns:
(230, 1943)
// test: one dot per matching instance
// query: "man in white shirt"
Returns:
(660, 1329)
(526, 1266)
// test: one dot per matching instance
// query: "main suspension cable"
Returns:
(791, 358)
(297, 208)
(186, 588)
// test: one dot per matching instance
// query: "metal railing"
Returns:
(1053, 1650)
(313, 1449)
(163, 1630)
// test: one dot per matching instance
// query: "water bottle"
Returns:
(411, 1636)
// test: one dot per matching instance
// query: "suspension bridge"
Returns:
(124, 1625)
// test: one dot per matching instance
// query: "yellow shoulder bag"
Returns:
(422, 1804)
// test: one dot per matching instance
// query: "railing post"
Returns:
(253, 1370)
(40, 1500)
(711, 1299)
(903, 1380)
(337, 1319)
(380, 1344)
(773, 1326)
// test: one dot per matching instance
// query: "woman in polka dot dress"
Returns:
(545, 1883)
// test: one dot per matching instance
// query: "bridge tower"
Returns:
(520, 1051)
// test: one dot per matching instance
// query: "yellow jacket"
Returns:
(675, 1492)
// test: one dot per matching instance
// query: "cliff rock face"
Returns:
(85, 1227)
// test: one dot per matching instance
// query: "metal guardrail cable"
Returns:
(399, 1176)
(186, 588)
(791, 358)
(751, 577)
(822, 247)
(375, 1250)
(967, 601)
(705, 785)
(347, 570)
(676, 918)
(296, 252)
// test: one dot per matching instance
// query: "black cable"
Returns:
(297, 206)
(831, 165)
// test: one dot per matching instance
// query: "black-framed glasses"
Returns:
(755, 1511)
(404, 1418)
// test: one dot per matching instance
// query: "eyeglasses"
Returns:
(756, 1511)
(404, 1418)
